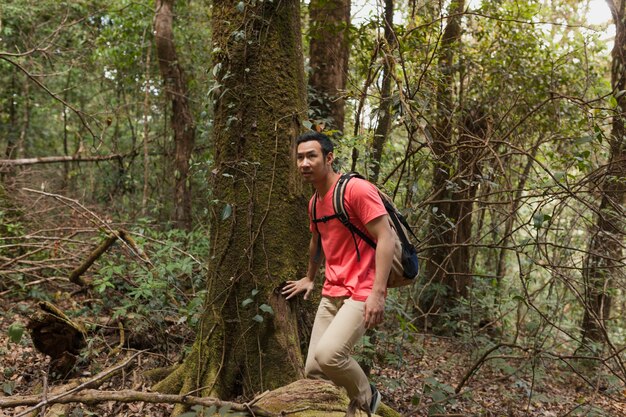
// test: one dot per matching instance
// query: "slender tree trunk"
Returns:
(469, 150)
(605, 260)
(146, 132)
(248, 340)
(329, 23)
(182, 119)
(439, 269)
(383, 127)
(11, 129)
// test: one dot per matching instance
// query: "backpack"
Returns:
(404, 267)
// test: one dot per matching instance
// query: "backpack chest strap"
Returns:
(325, 219)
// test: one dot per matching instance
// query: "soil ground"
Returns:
(418, 382)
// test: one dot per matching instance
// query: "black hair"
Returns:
(324, 141)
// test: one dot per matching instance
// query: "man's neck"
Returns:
(323, 186)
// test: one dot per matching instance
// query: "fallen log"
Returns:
(94, 396)
(303, 398)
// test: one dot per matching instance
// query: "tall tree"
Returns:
(328, 59)
(605, 260)
(439, 267)
(182, 118)
(248, 339)
(381, 133)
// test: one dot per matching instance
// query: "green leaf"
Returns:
(258, 318)
(241, 6)
(266, 309)
(519, 298)
(539, 219)
(246, 302)
(254, 292)
(16, 330)
(583, 140)
(8, 387)
(307, 124)
(227, 211)
(224, 410)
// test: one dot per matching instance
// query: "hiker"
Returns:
(353, 294)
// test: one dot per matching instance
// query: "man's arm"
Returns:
(293, 288)
(380, 229)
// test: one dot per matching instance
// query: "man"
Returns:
(353, 295)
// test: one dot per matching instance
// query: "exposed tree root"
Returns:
(157, 375)
(171, 383)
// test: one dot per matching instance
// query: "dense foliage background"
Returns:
(496, 125)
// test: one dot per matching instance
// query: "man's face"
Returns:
(312, 164)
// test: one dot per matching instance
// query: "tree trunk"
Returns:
(182, 119)
(384, 110)
(248, 341)
(329, 21)
(605, 260)
(439, 267)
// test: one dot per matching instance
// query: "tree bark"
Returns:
(329, 23)
(439, 268)
(605, 261)
(383, 127)
(248, 341)
(182, 119)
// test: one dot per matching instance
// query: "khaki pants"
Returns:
(338, 325)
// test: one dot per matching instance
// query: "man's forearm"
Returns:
(385, 248)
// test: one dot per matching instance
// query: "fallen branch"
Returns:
(93, 396)
(6, 402)
(56, 159)
(75, 276)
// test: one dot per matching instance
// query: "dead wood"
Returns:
(303, 398)
(56, 159)
(57, 336)
(71, 387)
(75, 276)
(312, 398)
(93, 396)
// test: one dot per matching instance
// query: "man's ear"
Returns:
(330, 157)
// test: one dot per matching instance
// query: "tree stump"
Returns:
(54, 334)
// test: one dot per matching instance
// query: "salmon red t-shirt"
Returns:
(346, 276)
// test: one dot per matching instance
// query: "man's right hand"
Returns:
(293, 288)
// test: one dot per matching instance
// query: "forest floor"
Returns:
(420, 383)
(418, 374)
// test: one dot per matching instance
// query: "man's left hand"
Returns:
(374, 310)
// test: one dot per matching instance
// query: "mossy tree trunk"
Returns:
(248, 341)
(605, 261)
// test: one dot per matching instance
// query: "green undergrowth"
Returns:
(152, 296)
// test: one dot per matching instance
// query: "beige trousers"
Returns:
(338, 325)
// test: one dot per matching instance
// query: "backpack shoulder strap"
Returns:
(340, 209)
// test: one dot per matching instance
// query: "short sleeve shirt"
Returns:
(346, 275)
